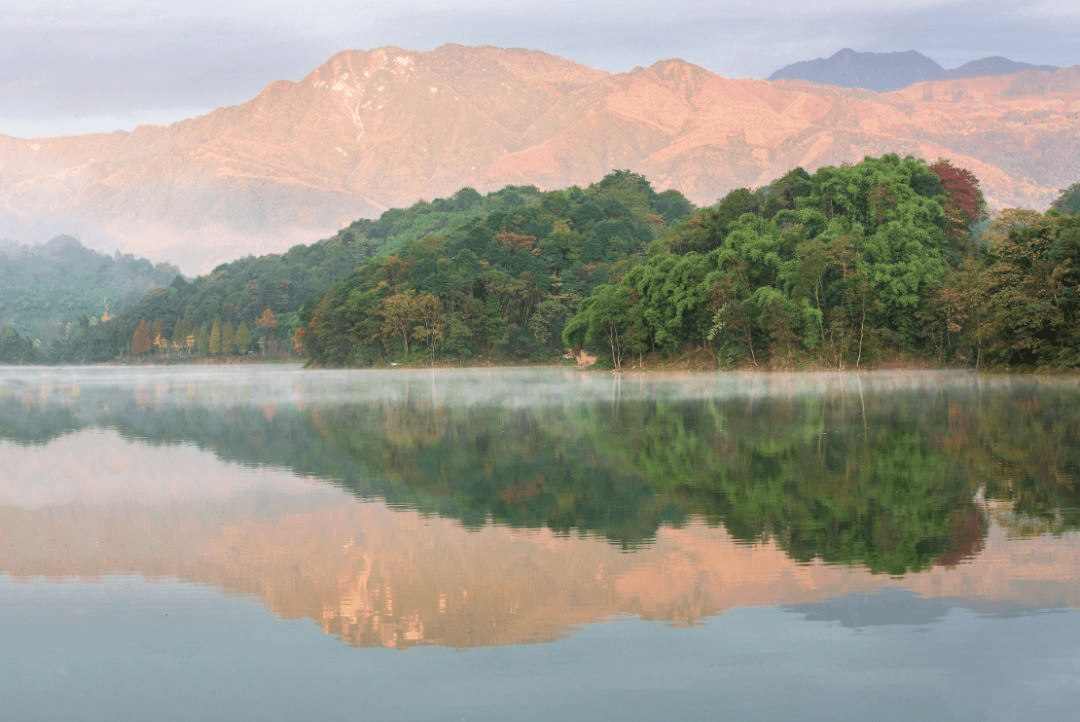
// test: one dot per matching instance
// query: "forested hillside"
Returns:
(499, 287)
(851, 265)
(892, 258)
(857, 265)
(46, 287)
(252, 305)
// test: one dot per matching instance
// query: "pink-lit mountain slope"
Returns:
(372, 130)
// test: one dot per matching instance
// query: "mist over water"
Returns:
(681, 522)
(509, 387)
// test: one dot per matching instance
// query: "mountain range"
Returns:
(371, 130)
(885, 72)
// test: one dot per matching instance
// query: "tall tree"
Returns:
(214, 341)
(964, 203)
(228, 338)
(242, 338)
(398, 313)
(140, 340)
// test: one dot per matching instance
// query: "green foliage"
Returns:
(1068, 203)
(240, 292)
(242, 339)
(396, 228)
(1031, 291)
(498, 286)
(890, 477)
(45, 287)
(14, 349)
(843, 266)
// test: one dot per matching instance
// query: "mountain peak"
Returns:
(991, 66)
(885, 72)
(374, 129)
(848, 68)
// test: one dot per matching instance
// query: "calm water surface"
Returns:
(267, 543)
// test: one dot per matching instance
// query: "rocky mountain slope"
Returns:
(371, 130)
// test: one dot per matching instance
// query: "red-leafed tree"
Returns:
(140, 340)
(268, 323)
(964, 202)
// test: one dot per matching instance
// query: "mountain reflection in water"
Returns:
(500, 507)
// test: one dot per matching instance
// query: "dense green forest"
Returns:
(46, 287)
(252, 305)
(851, 265)
(500, 286)
(245, 306)
(891, 258)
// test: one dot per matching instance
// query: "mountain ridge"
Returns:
(371, 130)
(885, 72)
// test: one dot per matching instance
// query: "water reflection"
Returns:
(880, 547)
(492, 508)
(376, 576)
(895, 472)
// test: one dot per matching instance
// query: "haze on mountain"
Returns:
(372, 130)
(885, 72)
(76, 66)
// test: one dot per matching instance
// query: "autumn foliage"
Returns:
(140, 340)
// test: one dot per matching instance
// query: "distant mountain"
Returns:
(875, 71)
(994, 65)
(885, 72)
(372, 130)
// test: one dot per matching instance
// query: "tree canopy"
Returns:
(498, 286)
(887, 258)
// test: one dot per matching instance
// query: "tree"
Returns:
(140, 340)
(178, 335)
(1033, 309)
(214, 344)
(398, 313)
(964, 203)
(157, 333)
(267, 323)
(228, 338)
(608, 323)
(242, 338)
(430, 322)
(1068, 203)
(14, 348)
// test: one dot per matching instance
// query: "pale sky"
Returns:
(72, 66)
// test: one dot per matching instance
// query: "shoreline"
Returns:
(694, 362)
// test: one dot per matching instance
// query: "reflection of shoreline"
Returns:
(377, 576)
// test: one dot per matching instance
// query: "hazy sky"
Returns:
(73, 66)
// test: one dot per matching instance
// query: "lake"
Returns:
(272, 543)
